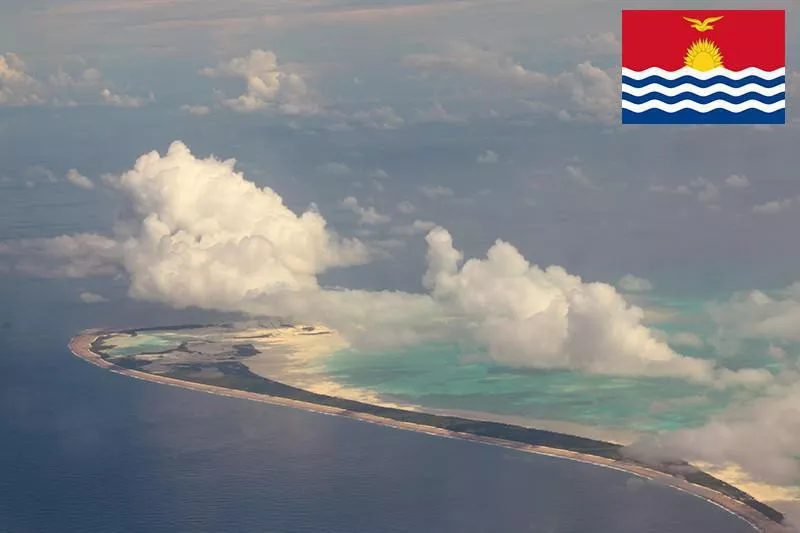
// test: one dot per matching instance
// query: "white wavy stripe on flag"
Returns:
(703, 91)
(687, 71)
(703, 108)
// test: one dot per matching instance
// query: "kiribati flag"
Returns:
(703, 67)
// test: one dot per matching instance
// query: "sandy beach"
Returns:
(302, 350)
(81, 347)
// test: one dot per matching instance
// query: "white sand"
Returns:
(289, 351)
(289, 356)
(733, 474)
(300, 350)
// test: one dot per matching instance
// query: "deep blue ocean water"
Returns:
(83, 450)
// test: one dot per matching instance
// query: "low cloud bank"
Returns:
(761, 437)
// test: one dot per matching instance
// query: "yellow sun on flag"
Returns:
(703, 55)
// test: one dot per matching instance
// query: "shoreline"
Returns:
(81, 346)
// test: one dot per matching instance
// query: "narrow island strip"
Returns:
(680, 476)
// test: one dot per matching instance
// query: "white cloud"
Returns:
(205, 236)
(593, 93)
(488, 157)
(382, 118)
(40, 172)
(595, 43)
(415, 228)
(89, 78)
(196, 233)
(757, 315)
(124, 100)
(92, 298)
(406, 207)
(20, 88)
(367, 215)
(435, 191)
(527, 316)
(470, 59)
(269, 85)
(577, 175)
(587, 93)
(66, 256)
(196, 110)
(631, 283)
(436, 113)
(17, 87)
(379, 173)
(79, 180)
(761, 437)
(686, 338)
(774, 207)
(708, 192)
(334, 169)
(737, 181)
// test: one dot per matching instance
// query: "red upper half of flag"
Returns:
(745, 38)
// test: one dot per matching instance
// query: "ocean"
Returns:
(84, 450)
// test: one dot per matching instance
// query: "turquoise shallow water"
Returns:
(451, 375)
(434, 375)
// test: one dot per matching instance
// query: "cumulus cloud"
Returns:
(269, 85)
(366, 215)
(41, 173)
(18, 87)
(196, 233)
(488, 157)
(594, 43)
(205, 236)
(548, 318)
(631, 283)
(594, 94)
(92, 298)
(577, 175)
(436, 113)
(774, 207)
(381, 118)
(435, 191)
(196, 110)
(476, 61)
(757, 315)
(379, 173)
(585, 93)
(706, 190)
(406, 207)
(89, 78)
(686, 338)
(79, 180)
(737, 181)
(66, 256)
(738, 437)
(416, 227)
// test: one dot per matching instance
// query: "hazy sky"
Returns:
(507, 109)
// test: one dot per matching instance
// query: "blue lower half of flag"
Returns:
(717, 116)
(719, 96)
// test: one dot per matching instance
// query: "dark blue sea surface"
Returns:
(83, 450)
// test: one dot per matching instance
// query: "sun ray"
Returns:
(703, 55)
